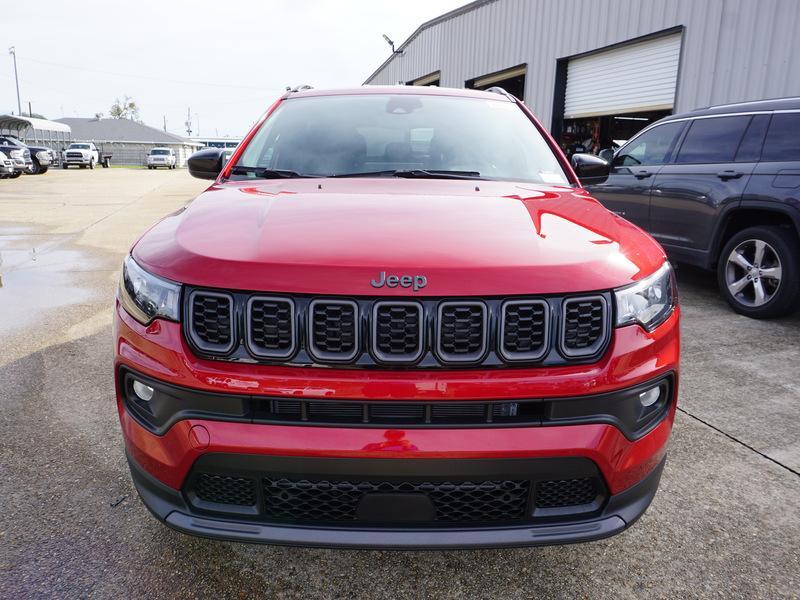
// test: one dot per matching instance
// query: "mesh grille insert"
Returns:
(397, 331)
(462, 331)
(211, 321)
(223, 489)
(584, 325)
(334, 331)
(271, 327)
(566, 492)
(524, 332)
(302, 500)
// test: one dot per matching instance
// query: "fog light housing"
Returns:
(650, 397)
(143, 391)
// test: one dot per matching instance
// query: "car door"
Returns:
(775, 182)
(626, 191)
(707, 177)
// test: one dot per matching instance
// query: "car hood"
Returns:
(334, 236)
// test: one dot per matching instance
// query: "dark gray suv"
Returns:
(719, 188)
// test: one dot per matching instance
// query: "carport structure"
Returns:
(37, 132)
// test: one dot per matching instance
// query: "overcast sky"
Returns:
(227, 60)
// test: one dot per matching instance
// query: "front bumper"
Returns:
(163, 462)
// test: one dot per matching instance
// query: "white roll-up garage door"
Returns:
(633, 78)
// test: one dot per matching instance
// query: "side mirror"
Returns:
(590, 168)
(206, 164)
(607, 154)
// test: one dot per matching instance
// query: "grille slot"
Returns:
(566, 492)
(270, 327)
(396, 411)
(223, 489)
(459, 411)
(462, 331)
(333, 330)
(524, 329)
(211, 321)
(303, 500)
(397, 331)
(583, 329)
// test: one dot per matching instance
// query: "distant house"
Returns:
(128, 141)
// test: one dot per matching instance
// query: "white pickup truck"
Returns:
(84, 154)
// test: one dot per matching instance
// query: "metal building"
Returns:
(600, 70)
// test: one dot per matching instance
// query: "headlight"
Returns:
(42, 155)
(146, 296)
(17, 154)
(648, 302)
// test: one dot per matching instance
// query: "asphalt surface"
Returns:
(725, 523)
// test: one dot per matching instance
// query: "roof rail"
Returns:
(299, 88)
(496, 89)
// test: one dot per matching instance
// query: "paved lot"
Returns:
(725, 523)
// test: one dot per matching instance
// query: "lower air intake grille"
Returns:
(584, 325)
(301, 500)
(462, 331)
(211, 321)
(333, 332)
(270, 332)
(566, 492)
(223, 489)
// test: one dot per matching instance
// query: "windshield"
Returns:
(78, 147)
(159, 152)
(348, 135)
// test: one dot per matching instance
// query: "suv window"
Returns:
(750, 148)
(650, 148)
(712, 140)
(783, 138)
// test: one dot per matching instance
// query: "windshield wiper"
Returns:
(264, 173)
(415, 174)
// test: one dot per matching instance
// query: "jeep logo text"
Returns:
(417, 282)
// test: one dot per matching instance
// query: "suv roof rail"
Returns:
(299, 88)
(496, 89)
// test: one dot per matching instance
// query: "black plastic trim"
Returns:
(619, 408)
(619, 512)
(601, 342)
(199, 343)
(473, 357)
(333, 357)
(524, 356)
(382, 357)
(252, 347)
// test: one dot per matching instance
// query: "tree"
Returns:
(125, 109)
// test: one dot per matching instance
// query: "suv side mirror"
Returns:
(590, 168)
(206, 164)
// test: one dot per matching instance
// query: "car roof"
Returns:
(412, 90)
(741, 107)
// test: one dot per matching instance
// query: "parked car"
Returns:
(41, 159)
(6, 167)
(18, 153)
(395, 320)
(161, 157)
(718, 187)
(84, 154)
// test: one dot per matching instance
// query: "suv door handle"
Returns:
(729, 174)
(642, 174)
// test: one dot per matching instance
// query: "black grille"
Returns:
(524, 329)
(302, 500)
(211, 321)
(397, 331)
(334, 331)
(270, 331)
(566, 492)
(462, 331)
(584, 325)
(222, 489)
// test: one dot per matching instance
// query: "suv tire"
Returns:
(758, 272)
(91, 163)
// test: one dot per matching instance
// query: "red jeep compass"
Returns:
(395, 319)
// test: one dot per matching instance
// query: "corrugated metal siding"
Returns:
(733, 50)
(638, 76)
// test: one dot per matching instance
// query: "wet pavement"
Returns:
(726, 521)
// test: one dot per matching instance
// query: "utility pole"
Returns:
(13, 52)
(165, 123)
(188, 123)
(30, 110)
